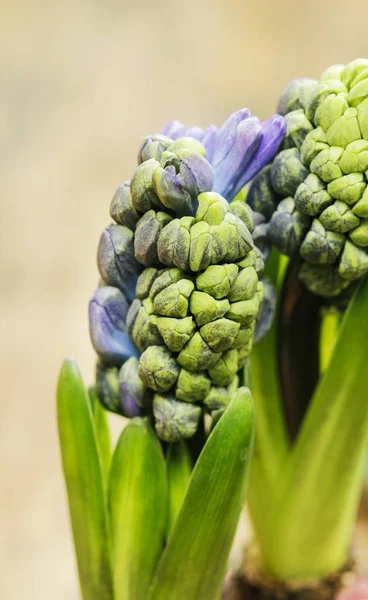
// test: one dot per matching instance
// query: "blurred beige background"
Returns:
(81, 83)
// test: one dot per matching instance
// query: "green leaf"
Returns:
(138, 506)
(102, 432)
(179, 468)
(194, 562)
(85, 485)
(313, 521)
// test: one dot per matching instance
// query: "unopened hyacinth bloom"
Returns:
(181, 297)
(315, 194)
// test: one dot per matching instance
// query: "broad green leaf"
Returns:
(313, 522)
(138, 507)
(85, 485)
(179, 468)
(194, 562)
(102, 432)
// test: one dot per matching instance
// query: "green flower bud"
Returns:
(173, 300)
(220, 335)
(165, 278)
(339, 217)
(354, 159)
(313, 144)
(322, 279)
(311, 197)
(360, 235)
(298, 127)
(218, 398)
(174, 243)
(296, 95)
(288, 227)
(326, 164)
(205, 308)
(158, 368)
(245, 335)
(354, 72)
(145, 332)
(186, 143)
(145, 282)
(115, 257)
(192, 387)
(176, 333)
(261, 196)
(244, 312)
(143, 193)
(361, 207)
(348, 188)
(217, 280)
(322, 91)
(223, 372)
(146, 236)
(344, 130)
(122, 209)
(287, 172)
(244, 286)
(358, 93)
(321, 246)
(197, 354)
(331, 109)
(152, 147)
(244, 212)
(175, 420)
(354, 262)
(212, 208)
(108, 387)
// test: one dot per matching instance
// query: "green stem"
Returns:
(271, 440)
(313, 518)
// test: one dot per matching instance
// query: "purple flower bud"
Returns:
(273, 132)
(107, 313)
(173, 129)
(234, 163)
(195, 132)
(185, 175)
(116, 261)
(228, 134)
(209, 141)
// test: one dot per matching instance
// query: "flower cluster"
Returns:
(175, 315)
(315, 193)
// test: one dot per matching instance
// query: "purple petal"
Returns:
(128, 403)
(246, 142)
(195, 132)
(173, 129)
(209, 141)
(107, 313)
(273, 133)
(227, 135)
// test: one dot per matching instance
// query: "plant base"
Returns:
(251, 584)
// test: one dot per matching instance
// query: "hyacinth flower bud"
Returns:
(184, 173)
(107, 313)
(122, 209)
(320, 179)
(153, 146)
(181, 295)
(134, 395)
(116, 261)
(175, 420)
